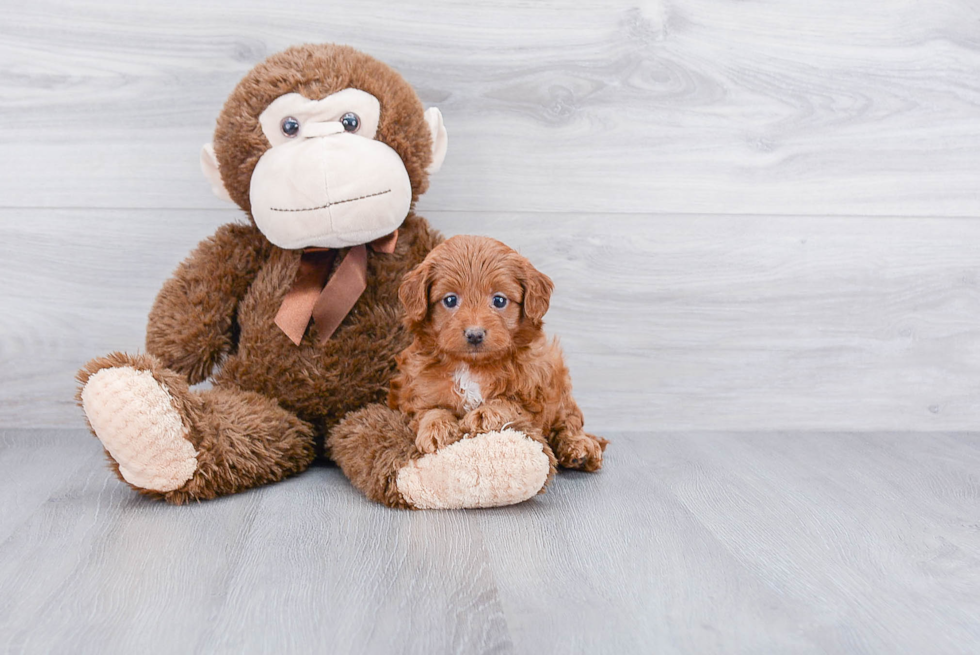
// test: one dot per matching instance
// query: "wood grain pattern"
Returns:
(703, 106)
(680, 322)
(761, 218)
(720, 183)
(685, 542)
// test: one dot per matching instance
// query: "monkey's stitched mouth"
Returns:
(331, 204)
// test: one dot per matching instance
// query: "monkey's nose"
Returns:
(475, 335)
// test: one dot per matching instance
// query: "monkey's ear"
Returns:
(537, 292)
(209, 166)
(440, 140)
(414, 293)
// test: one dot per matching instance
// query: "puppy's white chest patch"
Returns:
(468, 388)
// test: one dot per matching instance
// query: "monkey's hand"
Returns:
(190, 328)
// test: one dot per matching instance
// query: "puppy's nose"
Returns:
(475, 335)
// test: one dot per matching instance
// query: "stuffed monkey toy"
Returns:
(294, 315)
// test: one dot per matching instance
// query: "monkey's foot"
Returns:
(487, 470)
(134, 417)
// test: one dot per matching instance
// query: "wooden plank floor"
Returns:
(700, 542)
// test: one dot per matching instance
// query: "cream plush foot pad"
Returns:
(133, 416)
(488, 470)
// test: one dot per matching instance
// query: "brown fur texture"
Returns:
(460, 334)
(272, 401)
(373, 444)
(233, 431)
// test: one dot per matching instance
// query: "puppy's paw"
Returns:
(581, 451)
(491, 417)
(437, 432)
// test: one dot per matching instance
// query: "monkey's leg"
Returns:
(376, 450)
(168, 442)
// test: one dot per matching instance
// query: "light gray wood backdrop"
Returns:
(759, 215)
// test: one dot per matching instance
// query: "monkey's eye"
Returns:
(289, 126)
(350, 121)
(500, 301)
(450, 301)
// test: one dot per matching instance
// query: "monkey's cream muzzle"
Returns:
(324, 185)
(329, 191)
(320, 185)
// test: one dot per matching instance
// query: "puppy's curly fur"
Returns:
(480, 360)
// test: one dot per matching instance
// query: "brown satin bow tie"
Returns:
(327, 303)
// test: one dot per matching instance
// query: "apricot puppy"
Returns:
(480, 360)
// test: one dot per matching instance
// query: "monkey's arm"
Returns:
(191, 325)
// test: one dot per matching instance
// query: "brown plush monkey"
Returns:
(294, 315)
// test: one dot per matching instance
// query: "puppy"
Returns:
(480, 360)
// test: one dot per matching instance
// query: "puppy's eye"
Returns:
(500, 301)
(289, 126)
(450, 301)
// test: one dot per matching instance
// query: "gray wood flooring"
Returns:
(762, 219)
(688, 542)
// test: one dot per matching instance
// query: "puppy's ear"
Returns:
(537, 292)
(414, 293)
